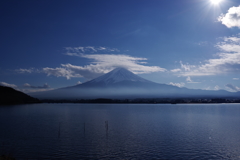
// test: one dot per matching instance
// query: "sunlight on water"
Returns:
(99, 131)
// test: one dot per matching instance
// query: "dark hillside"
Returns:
(11, 96)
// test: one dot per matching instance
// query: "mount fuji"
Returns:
(120, 83)
(117, 78)
(117, 75)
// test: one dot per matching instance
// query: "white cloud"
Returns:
(77, 51)
(177, 84)
(31, 88)
(91, 48)
(21, 70)
(213, 88)
(27, 87)
(207, 88)
(236, 79)
(203, 43)
(187, 67)
(232, 88)
(227, 61)
(39, 87)
(231, 18)
(79, 82)
(217, 88)
(176, 70)
(73, 54)
(233, 39)
(8, 85)
(188, 79)
(134, 64)
(60, 72)
(195, 70)
(100, 64)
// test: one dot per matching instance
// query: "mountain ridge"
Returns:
(116, 76)
(120, 83)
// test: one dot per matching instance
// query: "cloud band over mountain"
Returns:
(100, 63)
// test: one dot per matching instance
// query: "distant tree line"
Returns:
(146, 100)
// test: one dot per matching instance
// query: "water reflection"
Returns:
(86, 131)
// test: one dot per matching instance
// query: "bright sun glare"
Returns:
(215, 2)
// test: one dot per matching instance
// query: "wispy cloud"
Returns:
(21, 70)
(60, 72)
(217, 88)
(78, 51)
(27, 88)
(235, 79)
(8, 85)
(189, 80)
(100, 63)
(176, 70)
(31, 88)
(231, 18)
(187, 70)
(187, 67)
(79, 82)
(227, 61)
(177, 84)
(203, 43)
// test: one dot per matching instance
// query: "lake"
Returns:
(120, 131)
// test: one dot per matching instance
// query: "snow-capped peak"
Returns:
(118, 75)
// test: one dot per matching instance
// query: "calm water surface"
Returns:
(132, 131)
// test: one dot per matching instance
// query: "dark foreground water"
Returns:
(139, 131)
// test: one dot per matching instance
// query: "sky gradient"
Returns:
(187, 43)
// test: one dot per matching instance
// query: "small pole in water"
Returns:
(84, 128)
(106, 125)
(59, 129)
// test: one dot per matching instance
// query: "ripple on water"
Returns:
(134, 132)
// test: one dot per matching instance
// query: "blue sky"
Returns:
(52, 44)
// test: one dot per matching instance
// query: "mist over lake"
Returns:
(120, 131)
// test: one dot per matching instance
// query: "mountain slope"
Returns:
(11, 96)
(115, 76)
(121, 83)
